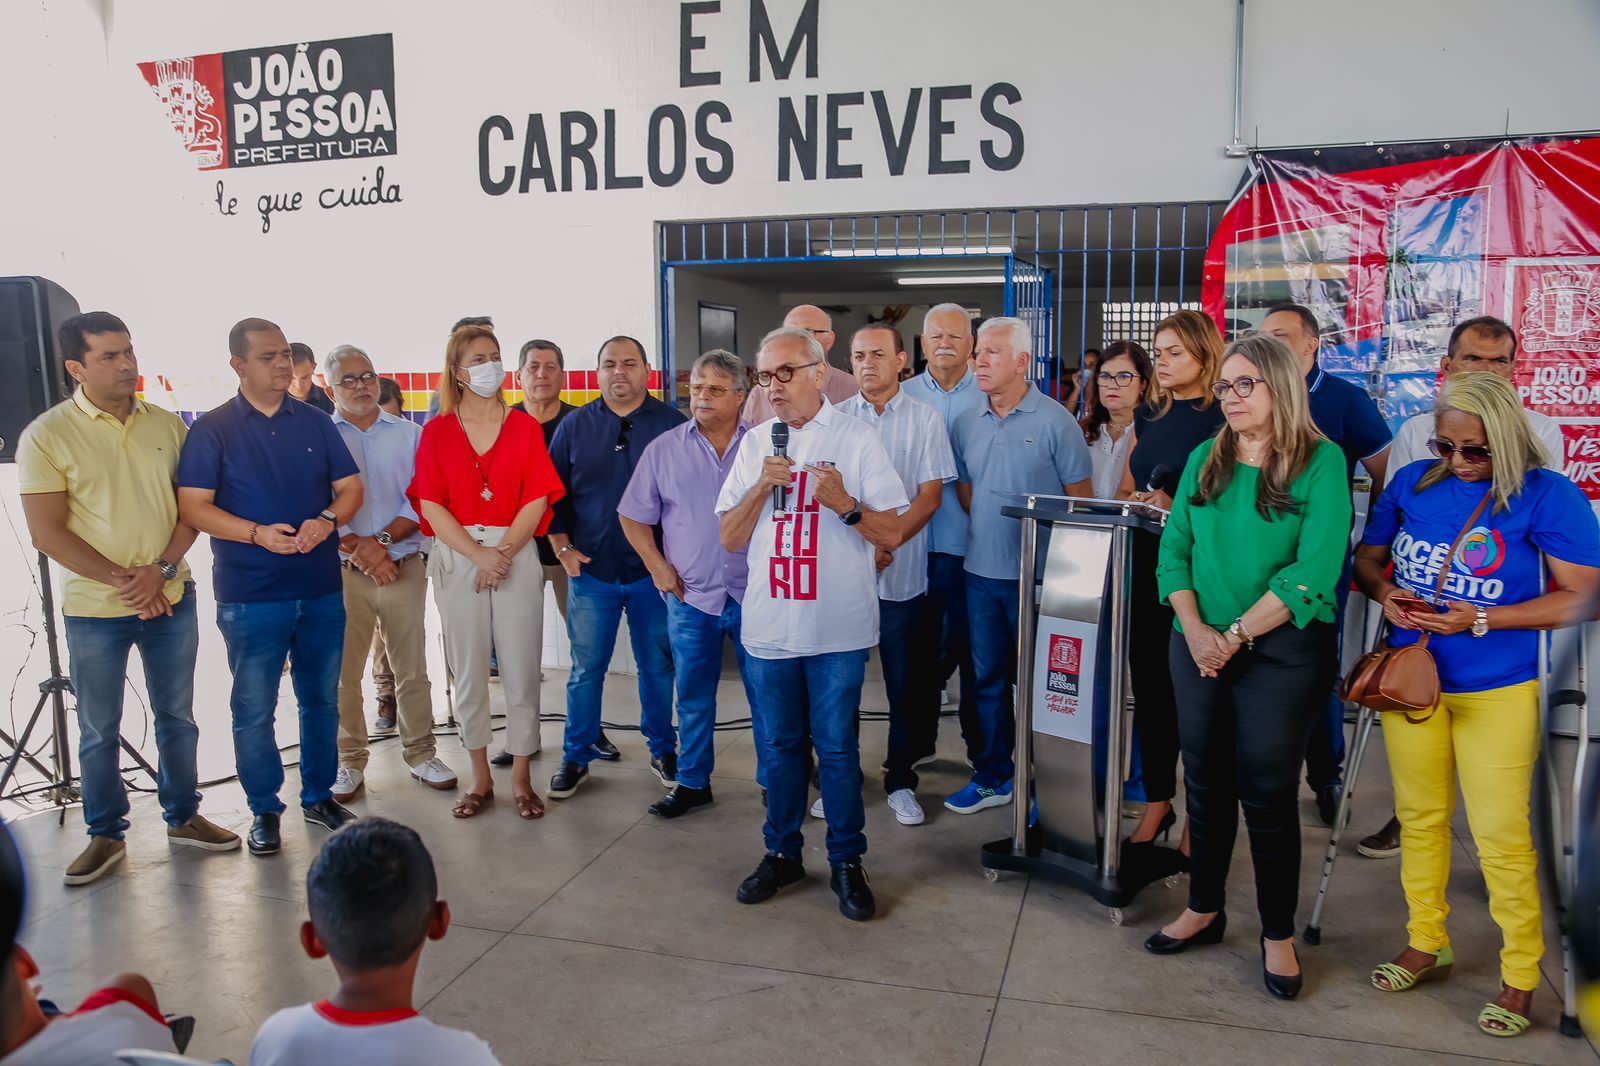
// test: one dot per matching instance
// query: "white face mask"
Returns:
(485, 378)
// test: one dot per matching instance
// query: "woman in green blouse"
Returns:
(1249, 562)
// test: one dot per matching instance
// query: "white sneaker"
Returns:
(903, 802)
(816, 809)
(346, 783)
(435, 774)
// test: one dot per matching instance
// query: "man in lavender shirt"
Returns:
(675, 487)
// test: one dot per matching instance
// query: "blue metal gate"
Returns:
(1080, 276)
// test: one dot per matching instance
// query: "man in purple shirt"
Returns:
(675, 487)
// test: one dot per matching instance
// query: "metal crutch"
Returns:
(1363, 735)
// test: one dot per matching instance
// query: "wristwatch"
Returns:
(384, 538)
(1480, 625)
(852, 516)
(327, 515)
(168, 570)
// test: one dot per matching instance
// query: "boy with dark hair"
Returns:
(373, 898)
(121, 1015)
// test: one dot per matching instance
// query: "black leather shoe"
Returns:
(502, 759)
(666, 768)
(604, 749)
(773, 873)
(680, 800)
(1162, 944)
(567, 779)
(1280, 986)
(1328, 797)
(855, 895)
(264, 838)
(329, 814)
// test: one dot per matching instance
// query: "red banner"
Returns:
(1392, 245)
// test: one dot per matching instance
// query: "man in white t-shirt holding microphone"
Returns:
(1478, 345)
(813, 495)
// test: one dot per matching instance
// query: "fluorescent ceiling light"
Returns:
(897, 253)
(963, 279)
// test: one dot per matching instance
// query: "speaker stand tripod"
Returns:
(53, 692)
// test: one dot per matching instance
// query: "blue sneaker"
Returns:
(975, 798)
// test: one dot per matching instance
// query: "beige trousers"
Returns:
(510, 620)
(398, 608)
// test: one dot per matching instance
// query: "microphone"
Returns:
(780, 448)
(1157, 476)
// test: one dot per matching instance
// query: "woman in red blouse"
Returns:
(483, 489)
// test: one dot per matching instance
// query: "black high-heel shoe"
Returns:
(1162, 944)
(1163, 831)
(1279, 985)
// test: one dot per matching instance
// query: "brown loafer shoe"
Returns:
(202, 833)
(96, 860)
(1384, 844)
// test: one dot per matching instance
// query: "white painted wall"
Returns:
(1126, 101)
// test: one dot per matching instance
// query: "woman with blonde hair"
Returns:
(483, 489)
(1249, 562)
(1484, 512)
(1180, 413)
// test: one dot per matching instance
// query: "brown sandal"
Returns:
(529, 806)
(472, 803)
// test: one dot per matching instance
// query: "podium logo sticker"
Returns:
(288, 103)
(1062, 672)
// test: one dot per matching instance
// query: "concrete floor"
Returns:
(602, 935)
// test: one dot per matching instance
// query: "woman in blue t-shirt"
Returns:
(1485, 641)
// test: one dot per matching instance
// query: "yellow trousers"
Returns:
(1490, 739)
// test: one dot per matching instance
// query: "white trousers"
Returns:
(509, 620)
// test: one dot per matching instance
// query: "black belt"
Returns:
(348, 565)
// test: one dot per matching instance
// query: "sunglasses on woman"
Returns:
(1472, 453)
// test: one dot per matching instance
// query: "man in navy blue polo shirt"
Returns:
(1348, 417)
(595, 451)
(270, 479)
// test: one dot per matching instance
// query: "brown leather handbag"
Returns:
(1405, 679)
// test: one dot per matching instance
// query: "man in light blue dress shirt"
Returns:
(949, 387)
(1021, 441)
(385, 578)
(919, 447)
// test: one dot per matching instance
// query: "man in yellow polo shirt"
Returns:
(97, 475)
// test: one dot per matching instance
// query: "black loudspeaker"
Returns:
(31, 313)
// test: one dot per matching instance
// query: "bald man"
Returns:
(837, 385)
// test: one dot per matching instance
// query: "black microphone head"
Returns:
(780, 434)
(1157, 476)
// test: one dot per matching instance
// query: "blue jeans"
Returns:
(260, 635)
(907, 630)
(594, 610)
(811, 699)
(98, 650)
(992, 610)
(696, 638)
(947, 603)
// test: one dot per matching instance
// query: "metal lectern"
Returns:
(1072, 715)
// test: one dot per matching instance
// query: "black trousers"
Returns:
(1155, 712)
(1244, 735)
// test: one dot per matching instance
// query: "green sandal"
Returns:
(1401, 979)
(1511, 1023)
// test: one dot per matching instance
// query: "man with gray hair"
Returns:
(810, 612)
(674, 488)
(949, 387)
(385, 579)
(1021, 441)
(837, 385)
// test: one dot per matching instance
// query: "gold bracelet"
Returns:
(253, 528)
